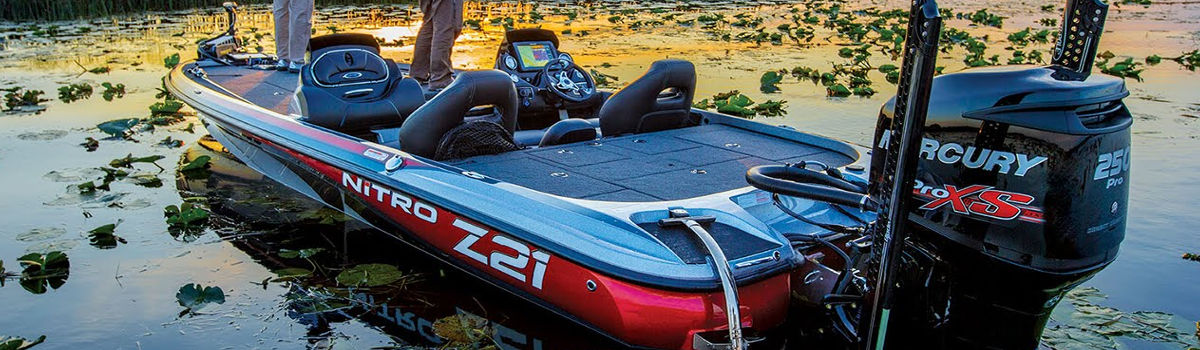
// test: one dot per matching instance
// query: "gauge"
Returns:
(565, 57)
(510, 62)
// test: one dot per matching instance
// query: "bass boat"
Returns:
(987, 194)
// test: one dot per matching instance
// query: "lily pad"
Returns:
(194, 297)
(129, 160)
(45, 135)
(41, 234)
(42, 271)
(185, 215)
(291, 273)
(104, 237)
(200, 163)
(118, 127)
(464, 331)
(769, 82)
(18, 343)
(302, 253)
(369, 275)
(171, 61)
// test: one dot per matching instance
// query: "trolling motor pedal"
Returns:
(680, 217)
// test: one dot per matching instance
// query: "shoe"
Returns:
(294, 67)
(281, 64)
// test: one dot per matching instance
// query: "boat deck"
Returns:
(667, 165)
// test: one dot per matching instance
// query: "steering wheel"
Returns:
(797, 180)
(568, 80)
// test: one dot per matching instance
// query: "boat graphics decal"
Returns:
(1110, 166)
(1007, 163)
(628, 312)
(979, 200)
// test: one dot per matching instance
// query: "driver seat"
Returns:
(659, 100)
(347, 86)
(440, 129)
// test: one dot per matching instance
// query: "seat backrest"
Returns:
(568, 131)
(423, 131)
(348, 87)
(642, 106)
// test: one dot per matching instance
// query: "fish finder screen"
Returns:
(535, 55)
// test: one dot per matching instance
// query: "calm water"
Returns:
(125, 297)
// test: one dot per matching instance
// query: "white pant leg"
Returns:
(301, 12)
(279, 8)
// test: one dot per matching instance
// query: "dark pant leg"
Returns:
(447, 25)
(421, 48)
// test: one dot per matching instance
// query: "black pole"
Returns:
(1083, 22)
(900, 160)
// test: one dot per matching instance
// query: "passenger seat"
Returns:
(346, 86)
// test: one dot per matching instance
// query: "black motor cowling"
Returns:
(1021, 192)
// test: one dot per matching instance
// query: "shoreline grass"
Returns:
(57, 10)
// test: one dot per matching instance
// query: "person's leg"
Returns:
(447, 25)
(419, 69)
(301, 29)
(280, 9)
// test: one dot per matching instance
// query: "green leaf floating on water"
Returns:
(18, 343)
(104, 237)
(291, 273)
(166, 107)
(185, 215)
(129, 160)
(40, 271)
(302, 253)
(369, 275)
(199, 163)
(770, 82)
(463, 331)
(1094, 326)
(119, 127)
(195, 297)
(171, 61)
(838, 90)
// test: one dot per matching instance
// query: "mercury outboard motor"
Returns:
(997, 190)
(1020, 190)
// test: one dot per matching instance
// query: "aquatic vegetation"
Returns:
(604, 80)
(104, 237)
(18, 343)
(90, 144)
(1189, 60)
(1145, 3)
(770, 82)
(982, 17)
(196, 168)
(1124, 69)
(193, 297)
(170, 142)
(1192, 257)
(171, 61)
(121, 128)
(112, 91)
(325, 216)
(1153, 59)
(74, 92)
(737, 104)
(465, 331)
(1097, 326)
(17, 98)
(129, 160)
(41, 271)
(186, 217)
(370, 275)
